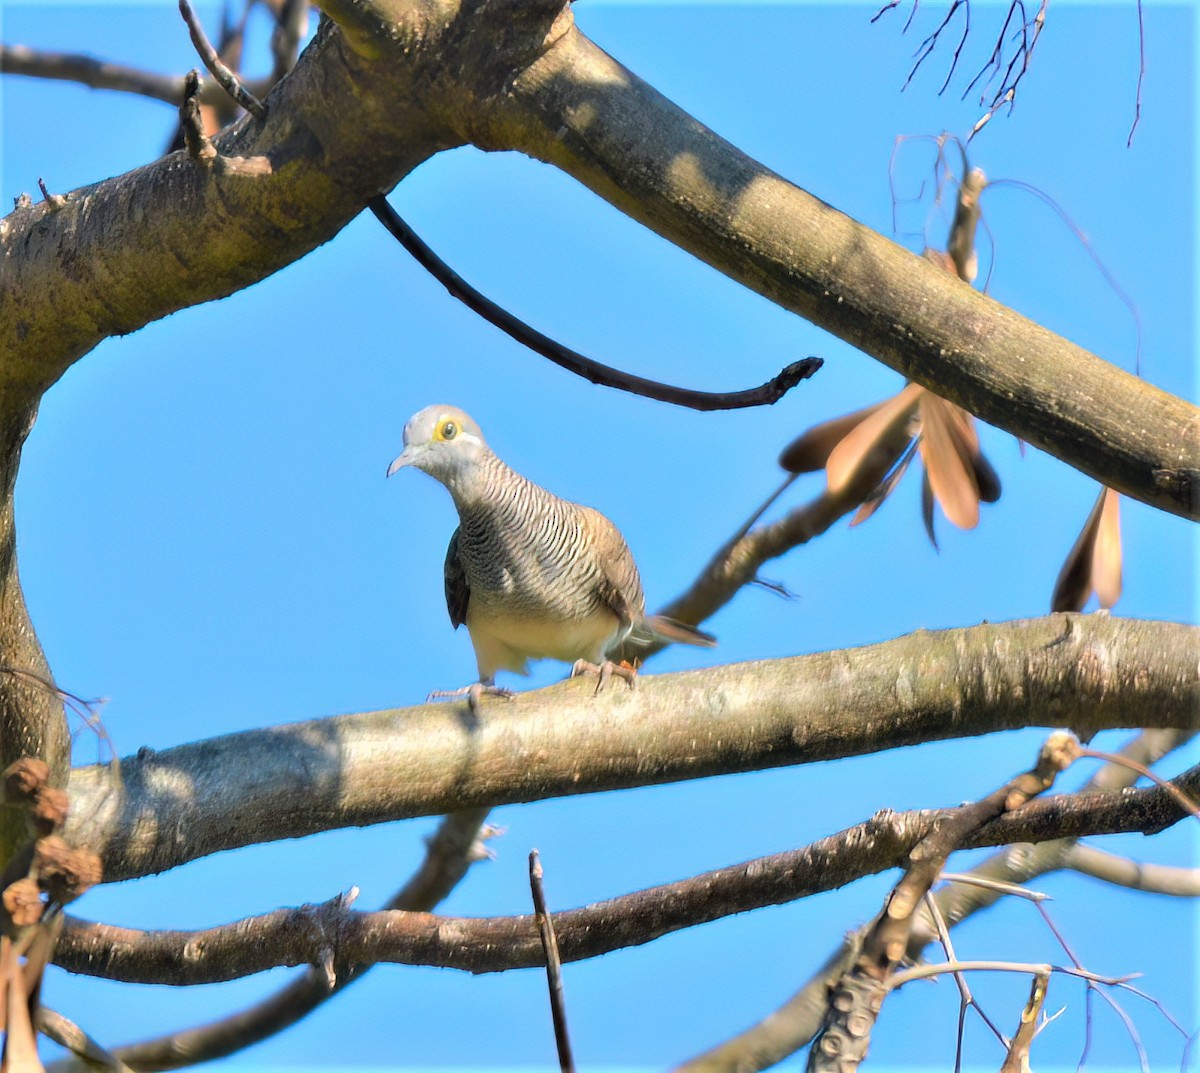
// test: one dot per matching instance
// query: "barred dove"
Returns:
(533, 576)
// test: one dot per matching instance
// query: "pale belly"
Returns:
(506, 643)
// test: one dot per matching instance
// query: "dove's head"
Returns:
(443, 442)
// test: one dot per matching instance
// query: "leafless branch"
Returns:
(298, 936)
(545, 927)
(457, 843)
(571, 360)
(91, 1055)
(100, 74)
(855, 1000)
(1085, 671)
(785, 1030)
(1137, 875)
(227, 79)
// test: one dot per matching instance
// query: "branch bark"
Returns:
(496, 944)
(1085, 672)
(419, 78)
(580, 110)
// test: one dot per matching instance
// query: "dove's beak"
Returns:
(405, 458)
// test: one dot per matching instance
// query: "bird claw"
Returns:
(605, 671)
(474, 692)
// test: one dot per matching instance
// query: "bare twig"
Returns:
(68, 1034)
(545, 926)
(1137, 875)
(227, 79)
(1137, 105)
(1185, 802)
(571, 360)
(89, 71)
(1017, 1060)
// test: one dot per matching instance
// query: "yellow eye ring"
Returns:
(446, 429)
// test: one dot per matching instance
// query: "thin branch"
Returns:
(227, 79)
(299, 936)
(100, 74)
(545, 926)
(785, 1030)
(1137, 875)
(925, 972)
(571, 360)
(1185, 802)
(450, 851)
(66, 1033)
(1137, 106)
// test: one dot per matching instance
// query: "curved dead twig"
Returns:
(571, 360)
(299, 936)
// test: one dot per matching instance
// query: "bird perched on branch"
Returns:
(533, 576)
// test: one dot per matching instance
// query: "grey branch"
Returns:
(100, 74)
(785, 1030)
(495, 944)
(1084, 672)
(1156, 878)
(450, 852)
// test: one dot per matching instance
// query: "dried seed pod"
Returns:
(49, 810)
(23, 779)
(23, 902)
(63, 872)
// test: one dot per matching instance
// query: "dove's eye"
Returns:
(447, 430)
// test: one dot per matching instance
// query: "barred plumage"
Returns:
(533, 576)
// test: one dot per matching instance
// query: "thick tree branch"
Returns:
(422, 77)
(299, 936)
(1086, 672)
(579, 109)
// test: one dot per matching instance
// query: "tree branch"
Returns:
(1156, 878)
(785, 1030)
(420, 78)
(495, 944)
(580, 110)
(100, 74)
(450, 852)
(1086, 672)
(571, 360)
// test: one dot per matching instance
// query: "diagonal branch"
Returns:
(785, 1030)
(1086, 672)
(450, 852)
(580, 110)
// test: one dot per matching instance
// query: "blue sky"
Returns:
(206, 537)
